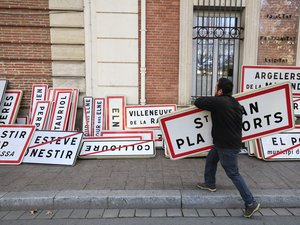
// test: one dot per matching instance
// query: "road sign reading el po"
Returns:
(282, 146)
(254, 77)
(265, 111)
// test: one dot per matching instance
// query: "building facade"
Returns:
(151, 51)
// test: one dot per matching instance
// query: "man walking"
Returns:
(226, 115)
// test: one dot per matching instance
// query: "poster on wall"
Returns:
(38, 93)
(188, 131)
(281, 146)
(10, 105)
(254, 77)
(14, 142)
(54, 147)
(115, 112)
(146, 116)
(98, 116)
(87, 116)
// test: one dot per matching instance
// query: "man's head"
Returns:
(224, 87)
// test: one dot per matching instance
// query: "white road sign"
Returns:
(115, 112)
(14, 140)
(117, 149)
(282, 146)
(10, 106)
(54, 147)
(146, 116)
(254, 77)
(188, 131)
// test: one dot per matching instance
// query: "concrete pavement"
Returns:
(144, 183)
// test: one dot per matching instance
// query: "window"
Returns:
(217, 33)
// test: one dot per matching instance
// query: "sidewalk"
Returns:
(144, 183)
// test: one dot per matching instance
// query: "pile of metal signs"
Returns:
(47, 135)
(283, 145)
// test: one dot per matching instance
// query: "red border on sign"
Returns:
(94, 114)
(73, 110)
(168, 139)
(146, 106)
(89, 131)
(33, 100)
(139, 138)
(67, 109)
(108, 114)
(19, 160)
(47, 112)
(129, 132)
(265, 67)
(284, 86)
(17, 103)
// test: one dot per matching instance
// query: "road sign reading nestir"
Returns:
(54, 147)
(188, 131)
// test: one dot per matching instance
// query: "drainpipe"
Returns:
(143, 53)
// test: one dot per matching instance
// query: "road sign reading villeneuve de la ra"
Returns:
(265, 111)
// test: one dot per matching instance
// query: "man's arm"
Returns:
(206, 103)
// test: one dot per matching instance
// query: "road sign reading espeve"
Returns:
(188, 131)
(54, 147)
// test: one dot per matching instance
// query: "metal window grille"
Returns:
(217, 33)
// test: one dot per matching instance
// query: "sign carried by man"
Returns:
(188, 131)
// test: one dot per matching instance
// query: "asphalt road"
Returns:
(262, 220)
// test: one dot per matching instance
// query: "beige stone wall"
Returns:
(68, 44)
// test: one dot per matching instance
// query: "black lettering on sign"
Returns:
(188, 141)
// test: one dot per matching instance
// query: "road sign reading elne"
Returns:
(265, 111)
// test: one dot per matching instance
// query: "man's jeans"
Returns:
(229, 160)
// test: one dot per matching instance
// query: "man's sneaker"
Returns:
(205, 186)
(250, 210)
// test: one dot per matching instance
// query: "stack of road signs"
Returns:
(53, 108)
(188, 132)
(273, 147)
(112, 136)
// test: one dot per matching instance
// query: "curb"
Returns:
(144, 199)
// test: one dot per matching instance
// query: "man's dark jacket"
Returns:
(226, 115)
